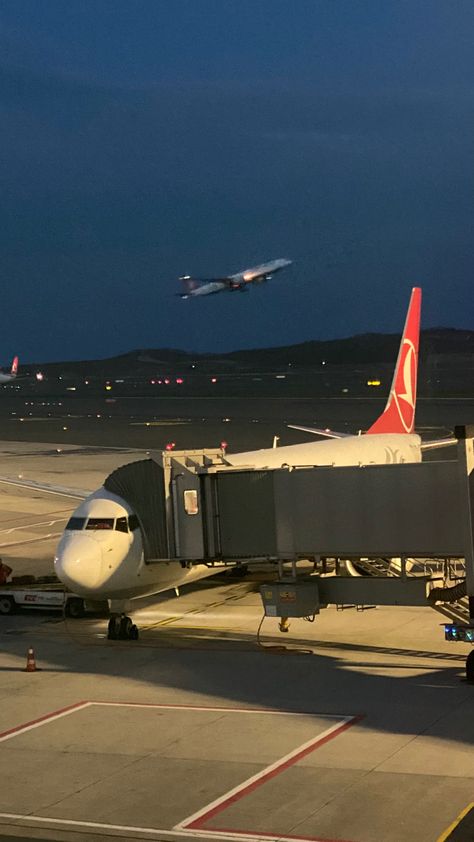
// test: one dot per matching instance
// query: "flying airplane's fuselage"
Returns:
(237, 281)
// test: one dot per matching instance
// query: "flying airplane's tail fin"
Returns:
(14, 368)
(399, 413)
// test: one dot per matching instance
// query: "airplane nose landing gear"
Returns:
(121, 628)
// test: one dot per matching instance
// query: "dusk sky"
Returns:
(146, 139)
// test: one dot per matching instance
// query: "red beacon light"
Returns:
(224, 445)
(171, 445)
(179, 381)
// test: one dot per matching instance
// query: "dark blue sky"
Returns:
(141, 140)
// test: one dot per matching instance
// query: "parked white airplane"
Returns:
(230, 283)
(7, 377)
(100, 555)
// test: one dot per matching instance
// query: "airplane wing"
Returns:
(437, 443)
(329, 434)
(60, 490)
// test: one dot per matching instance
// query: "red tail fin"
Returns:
(14, 368)
(399, 413)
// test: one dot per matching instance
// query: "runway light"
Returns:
(373, 382)
(108, 387)
(167, 382)
(213, 379)
(179, 381)
(39, 375)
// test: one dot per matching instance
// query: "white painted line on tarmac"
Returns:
(31, 540)
(196, 820)
(42, 720)
(185, 830)
(162, 834)
(222, 709)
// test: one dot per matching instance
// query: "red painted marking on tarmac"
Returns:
(264, 835)
(198, 824)
(42, 719)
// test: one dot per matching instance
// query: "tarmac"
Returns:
(358, 727)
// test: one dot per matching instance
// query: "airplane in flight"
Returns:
(230, 283)
(6, 377)
(100, 555)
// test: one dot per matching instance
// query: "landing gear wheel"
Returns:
(124, 628)
(470, 668)
(113, 627)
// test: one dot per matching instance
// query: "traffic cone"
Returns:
(30, 661)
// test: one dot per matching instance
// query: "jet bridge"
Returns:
(195, 508)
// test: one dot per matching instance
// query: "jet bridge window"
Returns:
(100, 523)
(76, 523)
(191, 506)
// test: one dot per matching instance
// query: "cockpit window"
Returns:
(76, 523)
(100, 523)
(133, 523)
(121, 524)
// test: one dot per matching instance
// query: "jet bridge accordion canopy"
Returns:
(141, 485)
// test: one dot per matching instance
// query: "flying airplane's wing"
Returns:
(437, 443)
(60, 490)
(329, 434)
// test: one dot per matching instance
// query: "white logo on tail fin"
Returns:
(407, 374)
(408, 371)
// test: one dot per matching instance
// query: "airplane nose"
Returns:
(78, 563)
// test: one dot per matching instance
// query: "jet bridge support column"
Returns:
(465, 437)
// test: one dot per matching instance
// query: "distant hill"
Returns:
(364, 348)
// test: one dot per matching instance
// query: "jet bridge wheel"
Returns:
(470, 667)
